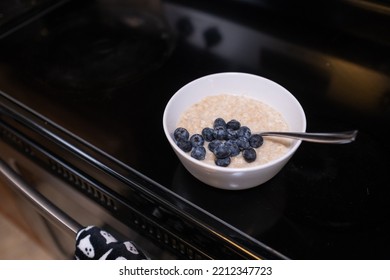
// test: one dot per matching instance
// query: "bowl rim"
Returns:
(169, 135)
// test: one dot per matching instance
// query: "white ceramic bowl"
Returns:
(249, 85)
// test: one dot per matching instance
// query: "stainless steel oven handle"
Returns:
(40, 202)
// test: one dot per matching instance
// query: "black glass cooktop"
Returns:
(105, 72)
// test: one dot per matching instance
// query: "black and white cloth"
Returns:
(94, 243)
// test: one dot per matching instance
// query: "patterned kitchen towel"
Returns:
(93, 243)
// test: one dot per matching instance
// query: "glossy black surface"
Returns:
(108, 82)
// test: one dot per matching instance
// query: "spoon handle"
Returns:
(332, 138)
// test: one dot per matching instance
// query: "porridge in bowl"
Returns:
(238, 96)
(240, 117)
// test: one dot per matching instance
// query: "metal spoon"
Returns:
(331, 138)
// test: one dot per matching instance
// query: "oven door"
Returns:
(54, 212)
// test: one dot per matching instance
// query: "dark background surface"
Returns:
(104, 76)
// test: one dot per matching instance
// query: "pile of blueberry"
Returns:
(225, 140)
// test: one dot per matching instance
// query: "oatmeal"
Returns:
(252, 113)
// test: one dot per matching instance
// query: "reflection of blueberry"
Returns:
(256, 140)
(184, 144)
(196, 140)
(223, 161)
(198, 152)
(181, 133)
(208, 134)
(185, 26)
(212, 36)
(249, 154)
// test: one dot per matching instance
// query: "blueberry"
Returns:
(198, 152)
(220, 133)
(244, 131)
(231, 134)
(219, 122)
(233, 124)
(223, 161)
(234, 149)
(196, 140)
(226, 140)
(181, 133)
(184, 144)
(208, 134)
(214, 144)
(243, 143)
(222, 151)
(256, 140)
(249, 155)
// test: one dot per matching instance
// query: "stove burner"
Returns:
(96, 52)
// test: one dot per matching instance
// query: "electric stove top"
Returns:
(105, 72)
